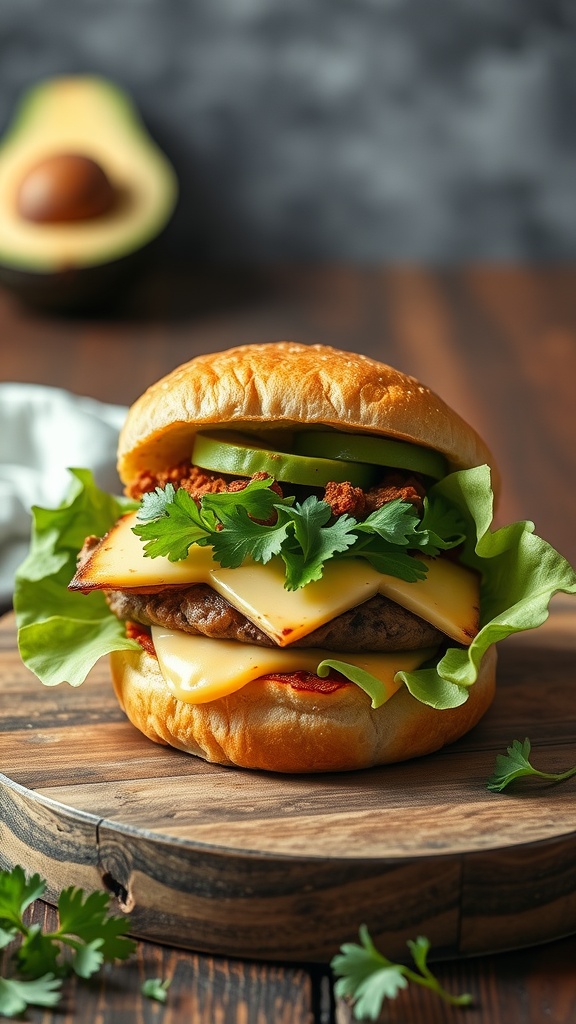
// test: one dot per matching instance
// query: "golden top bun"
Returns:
(271, 726)
(290, 386)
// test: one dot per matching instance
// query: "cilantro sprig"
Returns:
(367, 977)
(156, 988)
(86, 937)
(255, 523)
(515, 764)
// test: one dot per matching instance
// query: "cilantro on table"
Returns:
(86, 937)
(367, 977)
(16, 995)
(155, 988)
(515, 764)
(305, 535)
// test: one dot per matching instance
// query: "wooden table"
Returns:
(500, 346)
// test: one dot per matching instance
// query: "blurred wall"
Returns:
(337, 129)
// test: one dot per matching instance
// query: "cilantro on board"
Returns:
(367, 977)
(85, 938)
(305, 535)
(515, 764)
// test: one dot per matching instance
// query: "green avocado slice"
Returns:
(227, 452)
(381, 451)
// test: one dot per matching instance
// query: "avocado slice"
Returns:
(61, 261)
(228, 452)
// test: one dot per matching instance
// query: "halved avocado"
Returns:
(70, 135)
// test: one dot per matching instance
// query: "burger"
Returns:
(301, 575)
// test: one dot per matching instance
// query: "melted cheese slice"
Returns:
(448, 597)
(287, 615)
(198, 669)
(119, 563)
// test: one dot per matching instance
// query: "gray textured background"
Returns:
(341, 129)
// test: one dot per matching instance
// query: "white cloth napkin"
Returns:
(43, 431)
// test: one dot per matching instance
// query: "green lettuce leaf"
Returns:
(62, 634)
(520, 574)
(375, 688)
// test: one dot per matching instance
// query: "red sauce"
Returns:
(302, 680)
(134, 631)
(299, 680)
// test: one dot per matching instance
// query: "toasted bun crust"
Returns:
(269, 725)
(289, 385)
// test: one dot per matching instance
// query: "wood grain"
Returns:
(499, 343)
(529, 987)
(526, 987)
(203, 991)
(232, 862)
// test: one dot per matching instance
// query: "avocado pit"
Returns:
(65, 187)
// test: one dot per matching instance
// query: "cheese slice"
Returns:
(448, 597)
(198, 669)
(287, 615)
(119, 563)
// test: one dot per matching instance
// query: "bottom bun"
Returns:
(272, 726)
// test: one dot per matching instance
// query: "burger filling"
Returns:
(378, 624)
(375, 624)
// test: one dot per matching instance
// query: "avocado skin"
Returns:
(78, 289)
(90, 283)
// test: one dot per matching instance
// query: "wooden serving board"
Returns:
(277, 867)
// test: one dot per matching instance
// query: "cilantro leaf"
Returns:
(315, 541)
(87, 918)
(37, 953)
(257, 499)
(88, 959)
(7, 935)
(171, 522)
(387, 559)
(384, 983)
(155, 988)
(16, 893)
(242, 538)
(17, 995)
(394, 522)
(368, 978)
(181, 525)
(153, 503)
(80, 915)
(515, 764)
(85, 937)
(354, 963)
(419, 949)
(510, 766)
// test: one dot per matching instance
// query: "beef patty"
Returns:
(377, 625)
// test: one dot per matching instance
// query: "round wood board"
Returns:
(278, 867)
